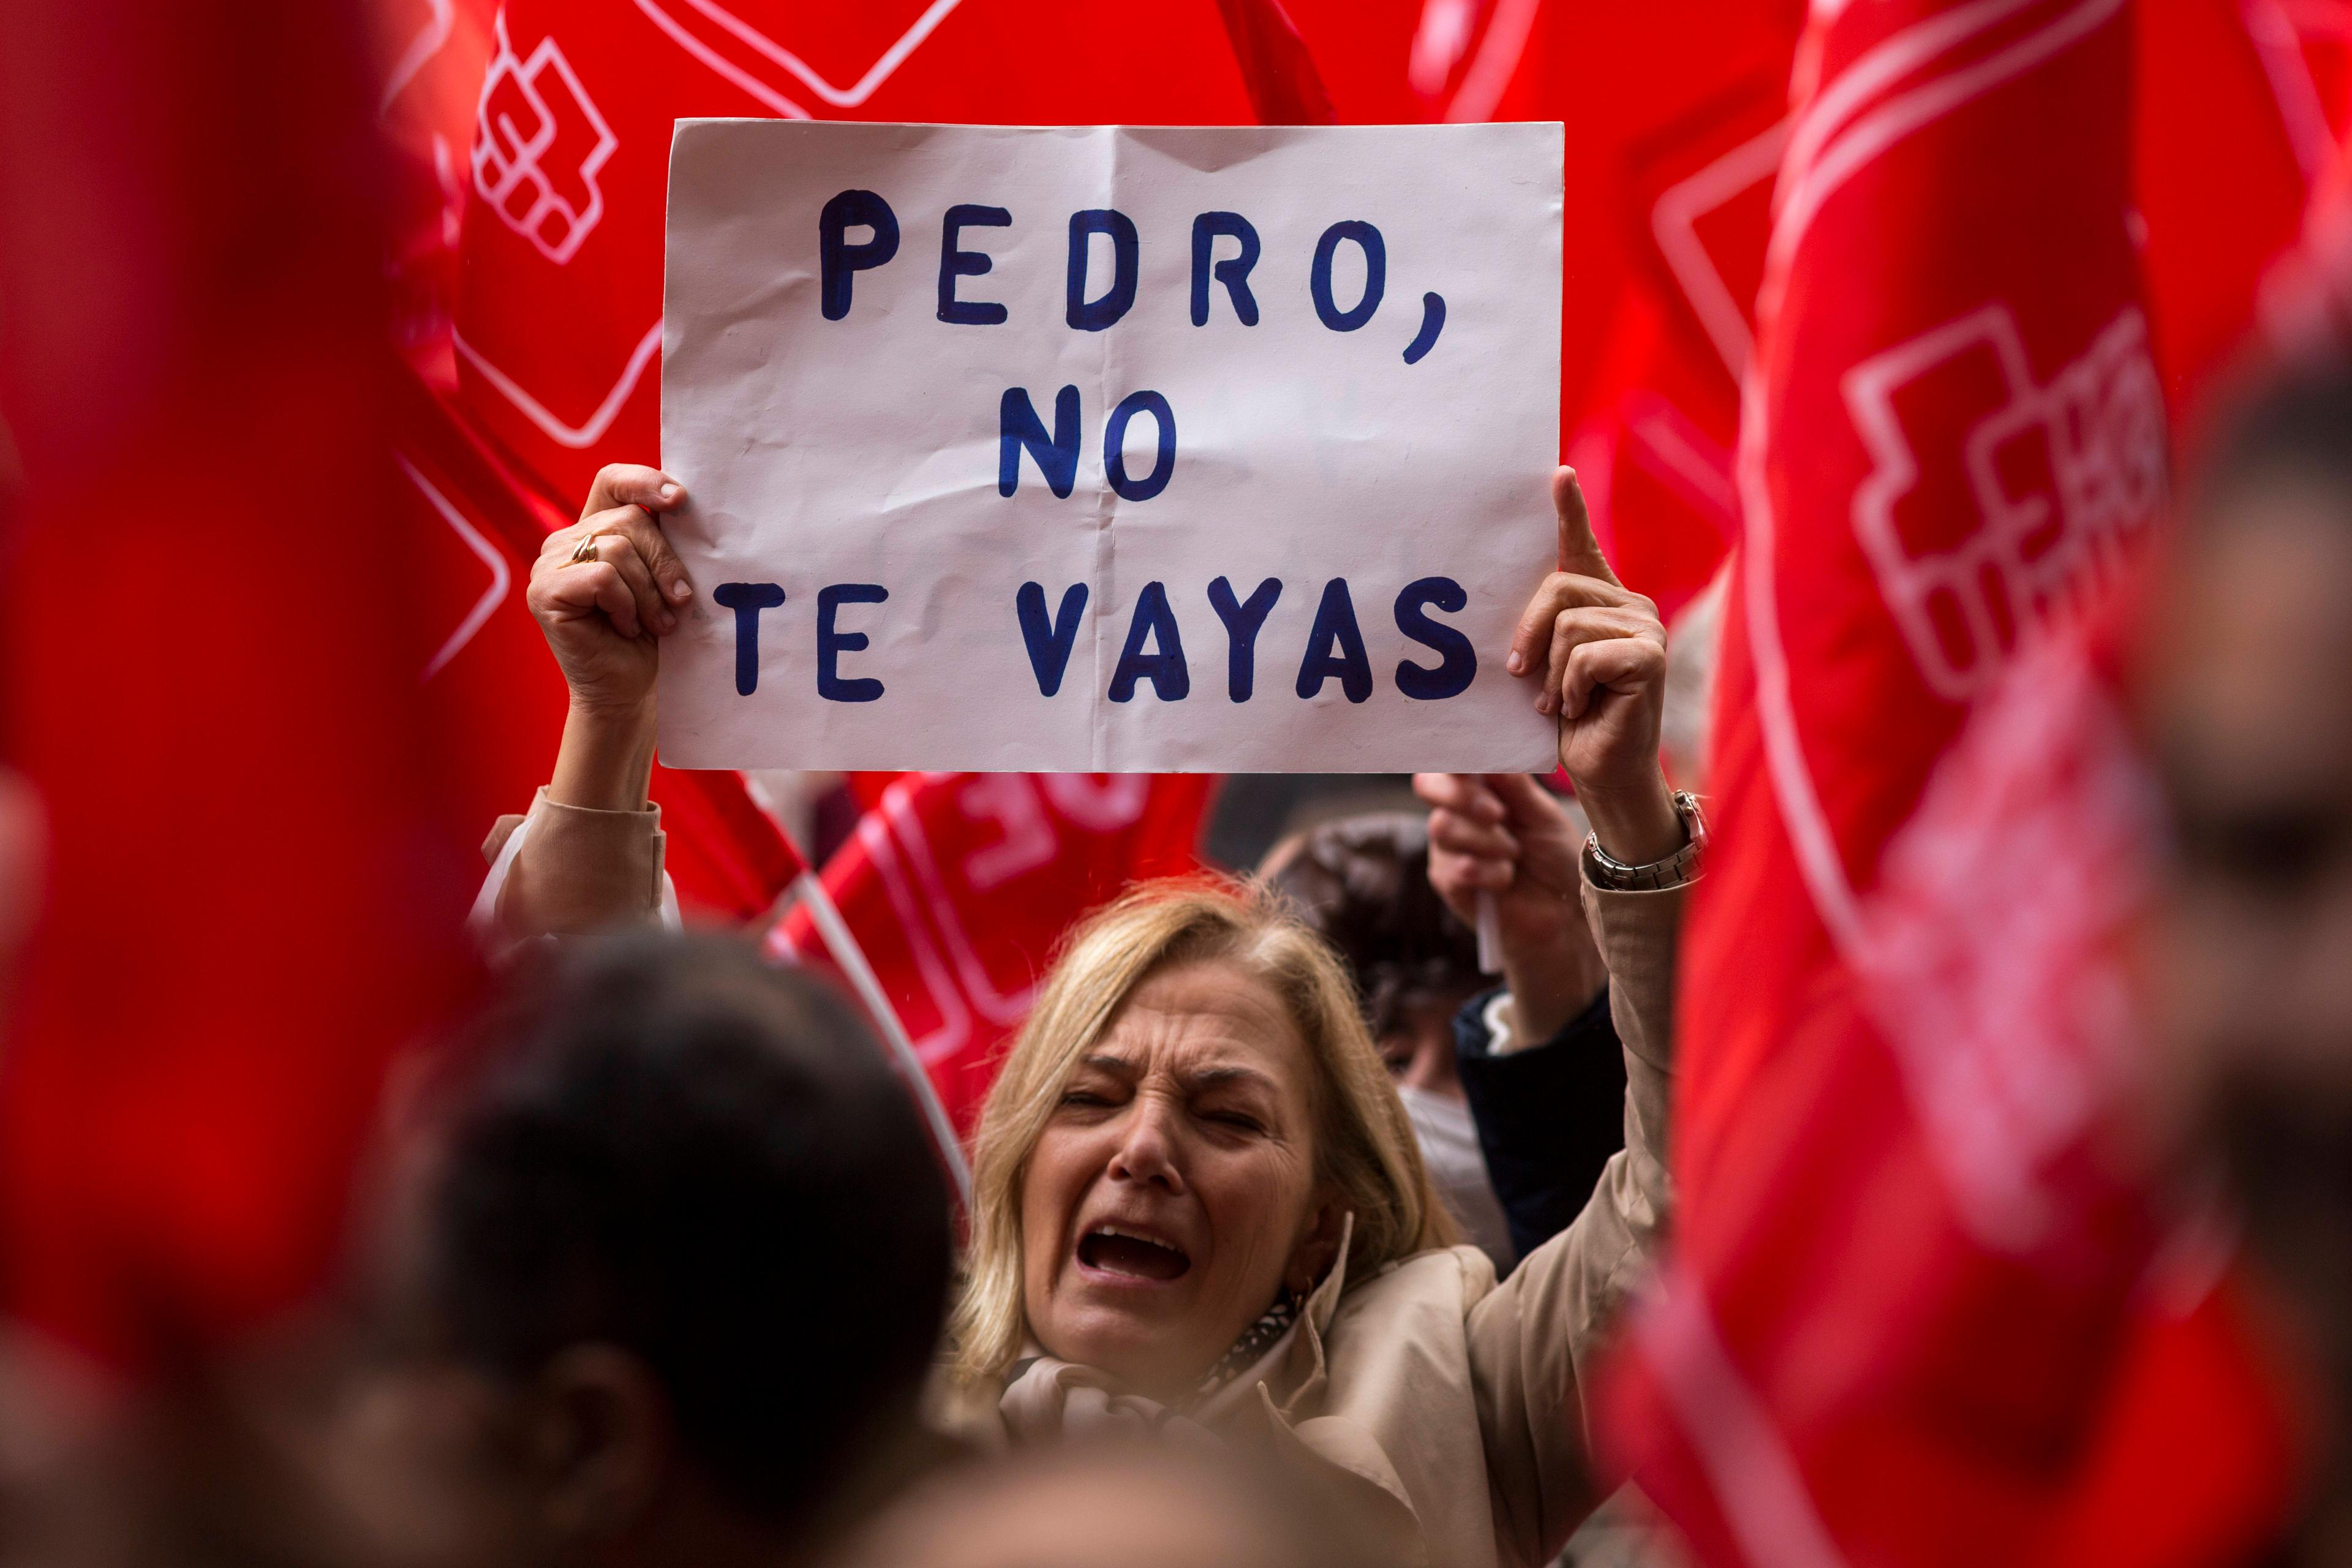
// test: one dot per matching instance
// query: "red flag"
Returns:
(498, 695)
(1945, 438)
(475, 517)
(1905, 1294)
(2304, 298)
(554, 350)
(559, 317)
(540, 134)
(1673, 149)
(959, 886)
(211, 666)
(2243, 107)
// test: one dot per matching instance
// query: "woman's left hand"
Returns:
(1600, 653)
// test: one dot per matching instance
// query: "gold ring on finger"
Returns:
(584, 552)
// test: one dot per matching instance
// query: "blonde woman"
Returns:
(1197, 1201)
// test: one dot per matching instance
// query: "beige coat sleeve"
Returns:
(1531, 1339)
(578, 869)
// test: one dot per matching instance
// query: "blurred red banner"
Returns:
(1908, 1290)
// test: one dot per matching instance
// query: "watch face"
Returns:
(1696, 819)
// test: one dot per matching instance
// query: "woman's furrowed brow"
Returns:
(1220, 1076)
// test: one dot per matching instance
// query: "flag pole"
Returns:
(843, 944)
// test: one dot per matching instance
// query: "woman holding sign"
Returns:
(1198, 1204)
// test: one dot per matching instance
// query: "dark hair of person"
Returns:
(1363, 883)
(675, 1148)
(2295, 425)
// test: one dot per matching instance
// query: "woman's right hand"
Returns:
(604, 617)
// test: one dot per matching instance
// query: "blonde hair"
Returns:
(1364, 1143)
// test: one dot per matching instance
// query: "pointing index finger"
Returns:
(1579, 550)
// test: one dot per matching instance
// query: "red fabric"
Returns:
(1947, 231)
(479, 512)
(560, 304)
(499, 692)
(2304, 296)
(553, 356)
(211, 671)
(540, 327)
(1907, 1291)
(959, 886)
(1671, 149)
(1363, 52)
(1285, 88)
(2242, 108)
(867, 788)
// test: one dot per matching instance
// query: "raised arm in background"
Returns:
(1539, 1057)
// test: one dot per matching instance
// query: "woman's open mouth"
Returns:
(1112, 1249)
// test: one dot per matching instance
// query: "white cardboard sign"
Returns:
(1108, 448)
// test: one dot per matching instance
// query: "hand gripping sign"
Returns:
(1105, 449)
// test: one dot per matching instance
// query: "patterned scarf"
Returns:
(1255, 1340)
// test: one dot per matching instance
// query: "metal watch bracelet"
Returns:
(1657, 875)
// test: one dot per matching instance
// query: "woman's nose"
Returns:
(1146, 1151)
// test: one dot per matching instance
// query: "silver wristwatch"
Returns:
(1681, 866)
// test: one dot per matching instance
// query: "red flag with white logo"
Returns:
(532, 262)
(1907, 1293)
(558, 329)
(535, 142)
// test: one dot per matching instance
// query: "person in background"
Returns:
(2248, 703)
(1540, 1054)
(660, 1283)
(1361, 883)
(1545, 1121)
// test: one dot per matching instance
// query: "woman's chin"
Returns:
(1132, 1342)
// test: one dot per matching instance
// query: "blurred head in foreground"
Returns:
(662, 1281)
(1121, 1506)
(2249, 696)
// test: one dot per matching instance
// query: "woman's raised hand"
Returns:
(1600, 651)
(604, 607)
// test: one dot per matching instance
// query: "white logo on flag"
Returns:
(2060, 474)
(539, 144)
(1990, 959)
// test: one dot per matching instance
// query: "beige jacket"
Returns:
(1449, 1401)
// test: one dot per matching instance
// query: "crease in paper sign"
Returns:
(1106, 563)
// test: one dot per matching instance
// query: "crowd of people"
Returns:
(1311, 1208)
(1204, 1209)
(1295, 1234)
